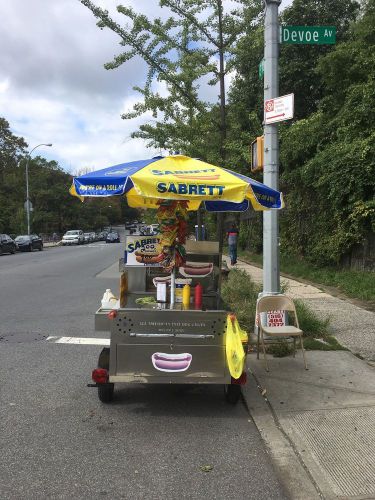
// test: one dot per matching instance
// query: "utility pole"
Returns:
(271, 268)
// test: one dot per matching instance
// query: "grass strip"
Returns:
(240, 293)
(356, 284)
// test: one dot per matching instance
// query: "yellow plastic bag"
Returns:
(234, 351)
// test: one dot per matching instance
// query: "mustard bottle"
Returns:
(186, 297)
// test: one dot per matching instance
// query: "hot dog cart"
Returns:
(163, 339)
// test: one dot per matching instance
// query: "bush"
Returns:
(240, 294)
(311, 324)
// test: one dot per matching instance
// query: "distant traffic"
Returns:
(28, 243)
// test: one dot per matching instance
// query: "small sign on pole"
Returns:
(279, 109)
(261, 69)
(31, 209)
(308, 35)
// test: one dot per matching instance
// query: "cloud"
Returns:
(53, 87)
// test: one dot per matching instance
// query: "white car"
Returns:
(74, 237)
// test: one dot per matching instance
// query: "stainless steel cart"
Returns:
(167, 345)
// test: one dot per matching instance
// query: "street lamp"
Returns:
(27, 186)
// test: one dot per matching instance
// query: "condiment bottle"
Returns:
(108, 299)
(123, 288)
(186, 297)
(198, 296)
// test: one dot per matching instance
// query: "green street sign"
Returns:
(308, 35)
(261, 69)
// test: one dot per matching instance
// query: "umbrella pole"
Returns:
(173, 281)
(220, 224)
(199, 225)
(173, 287)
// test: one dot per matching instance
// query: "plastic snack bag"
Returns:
(234, 350)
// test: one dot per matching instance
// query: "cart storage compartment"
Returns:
(168, 345)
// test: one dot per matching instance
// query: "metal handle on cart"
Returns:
(147, 335)
(169, 335)
(192, 336)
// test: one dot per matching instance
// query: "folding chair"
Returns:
(278, 303)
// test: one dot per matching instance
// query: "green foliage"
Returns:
(327, 170)
(356, 284)
(240, 294)
(55, 210)
(328, 164)
(280, 349)
(198, 43)
(329, 343)
(309, 321)
(298, 62)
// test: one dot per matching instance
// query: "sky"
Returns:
(54, 88)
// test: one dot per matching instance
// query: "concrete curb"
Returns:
(291, 471)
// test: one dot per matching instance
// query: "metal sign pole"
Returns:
(27, 196)
(271, 270)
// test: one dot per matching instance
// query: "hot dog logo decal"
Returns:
(171, 363)
(140, 250)
(143, 244)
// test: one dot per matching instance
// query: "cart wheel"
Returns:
(105, 391)
(232, 393)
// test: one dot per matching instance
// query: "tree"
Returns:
(328, 165)
(198, 42)
(298, 62)
(12, 148)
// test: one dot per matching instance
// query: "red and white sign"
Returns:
(276, 318)
(279, 109)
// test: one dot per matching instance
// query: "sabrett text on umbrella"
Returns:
(190, 189)
(183, 172)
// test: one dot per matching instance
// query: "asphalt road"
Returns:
(58, 441)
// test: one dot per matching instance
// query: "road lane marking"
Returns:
(77, 340)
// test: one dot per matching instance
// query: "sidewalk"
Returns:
(320, 424)
(353, 326)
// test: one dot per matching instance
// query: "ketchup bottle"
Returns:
(198, 295)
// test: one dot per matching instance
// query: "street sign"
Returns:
(261, 69)
(30, 206)
(308, 35)
(279, 109)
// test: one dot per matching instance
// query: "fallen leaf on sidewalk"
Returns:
(206, 468)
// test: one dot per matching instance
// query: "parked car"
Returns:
(113, 237)
(7, 245)
(73, 237)
(25, 243)
(87, 237)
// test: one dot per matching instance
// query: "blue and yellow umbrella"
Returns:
(177, 177)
